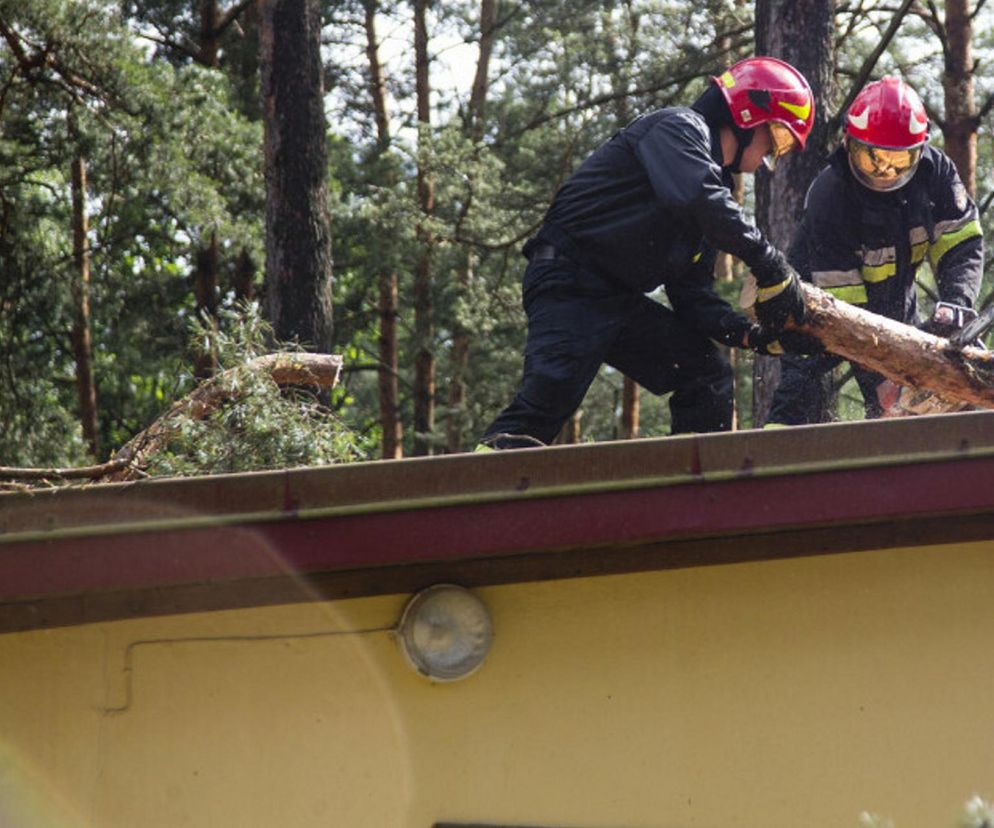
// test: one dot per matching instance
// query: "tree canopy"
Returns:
(162, 101)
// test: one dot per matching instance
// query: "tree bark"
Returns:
(244, 284)
(298, 224)
(377, 81)
(959, 127)
(387, 373)
(461, 336)
(629, 409)
(424, 360)
(209, 14)
(572, 431)
(800, 32)
(900, 352)
(389, 368)
(481, 78)
(81, 335)
(205, 292)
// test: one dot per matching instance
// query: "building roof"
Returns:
(83, 554)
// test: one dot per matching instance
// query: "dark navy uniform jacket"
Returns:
(866, 247)
(651, 207)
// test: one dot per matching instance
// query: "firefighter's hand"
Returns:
(770, 343)
(762, 341)
(948, 318)
(778, 296)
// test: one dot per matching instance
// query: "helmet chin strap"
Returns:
(743, 138)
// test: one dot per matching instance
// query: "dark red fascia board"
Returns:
(837, 500)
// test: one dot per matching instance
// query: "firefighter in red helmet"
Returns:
(886, 203)
(651, 207)
(886, 129)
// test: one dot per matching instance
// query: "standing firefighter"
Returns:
(650, 207)
(886, 201)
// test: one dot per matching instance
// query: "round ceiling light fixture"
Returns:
(445, 632)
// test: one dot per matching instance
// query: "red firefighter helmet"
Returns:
(886, 128)
(762, 90)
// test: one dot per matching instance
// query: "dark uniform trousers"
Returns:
(577, 321)
(803, 394)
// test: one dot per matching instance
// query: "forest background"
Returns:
(187, 183)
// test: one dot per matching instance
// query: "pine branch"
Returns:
(287, 369)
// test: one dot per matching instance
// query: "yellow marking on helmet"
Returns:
(697, 256)
(801, 111)
(727, 80)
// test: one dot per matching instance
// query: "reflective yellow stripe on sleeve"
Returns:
(947, 241)
(764, 294)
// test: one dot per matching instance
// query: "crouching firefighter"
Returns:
(885, 202)
(650, 207)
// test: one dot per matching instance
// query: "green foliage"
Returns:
(171, 135)
(170, 164)
(977, 813)
(260, 426)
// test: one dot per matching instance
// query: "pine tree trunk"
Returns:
(800, 32)
(424, 329)
(630, 409)
(205, 292)
(475, 127)
(393, 432)
(298, 225)
(244, 285)
(377, 80)
(389, 367)
(959, 129)
(208, 34)
(81, 336)
(481, 79)
(571, 432)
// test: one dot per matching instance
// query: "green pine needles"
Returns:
(258, 424)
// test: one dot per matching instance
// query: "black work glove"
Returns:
(770, 343)
(948, 318)
(763, 341)
(779, 296)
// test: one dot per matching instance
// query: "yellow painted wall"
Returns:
(788, 693)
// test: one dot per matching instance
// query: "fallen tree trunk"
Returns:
(900, 352)
(320, 370)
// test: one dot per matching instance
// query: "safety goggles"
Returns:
(882, 169)
(782, 141)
